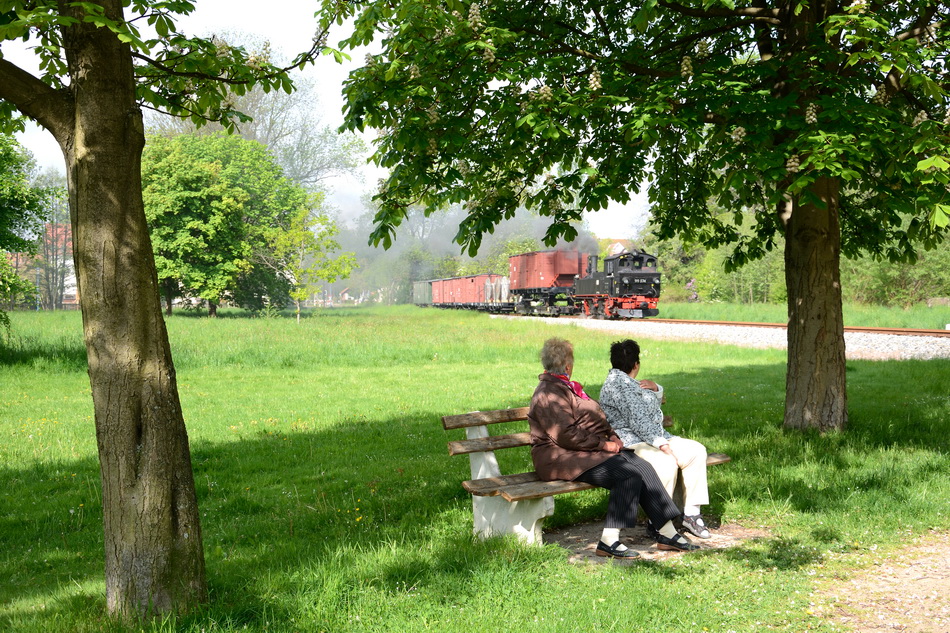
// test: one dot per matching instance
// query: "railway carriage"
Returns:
(552, 283)
(542, 282)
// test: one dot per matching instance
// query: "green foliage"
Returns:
(884, 283)
(301, 250)
(226, 224)
(13, 287)
(21, 219)
(561, 107)
(21, 210)
(328, 510)
(697, 274)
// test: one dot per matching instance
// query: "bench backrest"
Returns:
(475, 425)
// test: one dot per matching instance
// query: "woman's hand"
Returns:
(649, 384)
(613, 447)
(666, 449)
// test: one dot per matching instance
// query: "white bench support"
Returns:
(494, 516)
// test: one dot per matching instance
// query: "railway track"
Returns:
(783, 326)
(861, 342)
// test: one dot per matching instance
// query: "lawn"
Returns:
(329, 501)
(918, 316)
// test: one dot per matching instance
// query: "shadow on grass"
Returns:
(774, 554)
(45, 356)
(378, 504)
(283, 313)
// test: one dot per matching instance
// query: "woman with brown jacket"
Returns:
(572, 440)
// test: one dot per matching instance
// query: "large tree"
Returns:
(300, 252)
(818, 121)
(21, 204)
(21, 219)
(97, 70)
(226, 224)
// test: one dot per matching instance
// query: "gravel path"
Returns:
(859, 345)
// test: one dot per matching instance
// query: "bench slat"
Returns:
(491, 486)
(491, 443)
(480, 418)
(539, 489)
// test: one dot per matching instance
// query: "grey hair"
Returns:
(556, 355)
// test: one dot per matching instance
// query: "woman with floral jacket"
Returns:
(633, 410)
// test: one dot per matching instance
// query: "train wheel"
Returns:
(599, 312)
(591, 309)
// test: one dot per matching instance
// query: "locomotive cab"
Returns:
(628, 286)
(633, 274)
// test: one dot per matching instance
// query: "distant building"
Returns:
(615, 247)
(51, 269)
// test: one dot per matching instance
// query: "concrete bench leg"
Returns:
(493, 516)
(496, 517)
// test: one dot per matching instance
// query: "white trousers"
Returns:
(689, 460)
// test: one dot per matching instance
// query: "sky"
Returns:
(290, 26)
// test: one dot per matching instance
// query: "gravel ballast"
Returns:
(858, 345)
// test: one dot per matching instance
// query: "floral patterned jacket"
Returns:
(633, 412)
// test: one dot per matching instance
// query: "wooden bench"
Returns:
(509, 504)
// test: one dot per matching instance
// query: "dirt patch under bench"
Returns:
(906, 592)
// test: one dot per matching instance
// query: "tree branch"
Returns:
(763, 13)
(49, 107)
(605, 30)
(763, 37)
(219, 79)
(918, 31)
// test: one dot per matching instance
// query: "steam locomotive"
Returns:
(554, 283)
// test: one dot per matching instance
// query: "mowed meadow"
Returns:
(330, 503)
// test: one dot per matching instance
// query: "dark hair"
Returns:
(624, 355)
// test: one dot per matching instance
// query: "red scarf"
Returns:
(575, 386)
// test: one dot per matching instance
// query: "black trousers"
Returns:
(631, 481)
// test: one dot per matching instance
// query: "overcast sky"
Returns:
(290, 26)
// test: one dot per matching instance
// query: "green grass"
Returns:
(329, 502)
(855, 315)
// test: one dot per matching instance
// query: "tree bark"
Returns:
(815, 395)
(153, 553)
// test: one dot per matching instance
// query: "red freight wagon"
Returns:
(439, 293)
(546, 269)
(462, 290)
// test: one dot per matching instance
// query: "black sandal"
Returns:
(611, 551)
(678, 543)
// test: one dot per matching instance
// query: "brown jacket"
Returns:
(568, 433)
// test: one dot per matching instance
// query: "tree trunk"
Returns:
(153, 554)
(815, 395)
(170, 288)
(212, 309)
